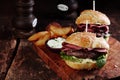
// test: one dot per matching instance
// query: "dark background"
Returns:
(45, 11)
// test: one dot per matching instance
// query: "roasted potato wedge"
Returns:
(42, 40)
(38, 35)
(57, 30)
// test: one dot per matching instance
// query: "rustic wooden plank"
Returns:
(7, 48)
(110, 70)
(27, 65)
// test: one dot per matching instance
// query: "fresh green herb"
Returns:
(101, 61)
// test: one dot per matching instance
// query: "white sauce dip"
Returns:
(56, 42)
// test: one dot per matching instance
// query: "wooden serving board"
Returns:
(110, 70)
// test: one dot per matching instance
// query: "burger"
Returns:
(98, 23)
(83, 50)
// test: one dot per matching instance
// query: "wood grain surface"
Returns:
(110, 70)
(27, 65)
(7, 48)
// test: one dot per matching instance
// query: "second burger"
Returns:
(98, 23)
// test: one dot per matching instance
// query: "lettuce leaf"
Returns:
(100, 62)
(70, 58)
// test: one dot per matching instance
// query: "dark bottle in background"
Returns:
(62, 11)
(67, 8)
(56, 9)
(24, 22)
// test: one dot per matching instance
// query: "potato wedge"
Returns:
(58, 30)
(36, 36)
(52, 24)
(42, 39)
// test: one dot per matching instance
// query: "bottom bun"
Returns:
(81, 66)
